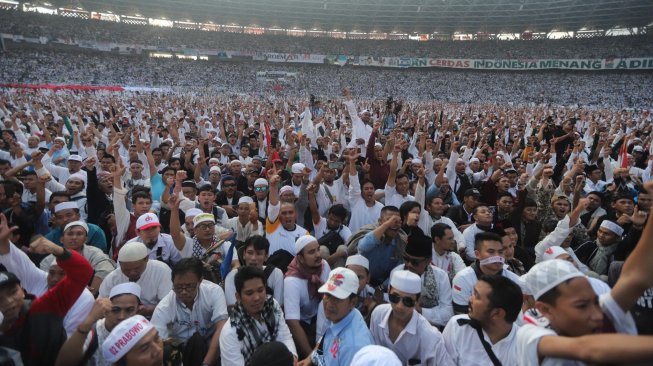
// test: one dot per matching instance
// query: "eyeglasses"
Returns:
(205, 226)
(180, 288)
(408, 301)
(260, 189)
(413, 261)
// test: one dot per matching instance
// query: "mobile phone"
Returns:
(336, 165)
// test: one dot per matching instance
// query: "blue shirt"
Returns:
(381, 256)
(95, 238)
(343, 339)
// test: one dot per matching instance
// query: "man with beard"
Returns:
(306, 273)
(489, 261)
(134, 266)
(105, 315)
(256, 320)
(435, 299)
(487, 333)
(400, 327)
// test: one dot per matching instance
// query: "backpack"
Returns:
(280, 259)
(332, 240)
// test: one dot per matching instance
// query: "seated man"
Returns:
(399, 326)
(134, 266)
(489, 326)
(193, 307)
(489, 261)
(106, 314)
(444, 246)
(67, 212)
(435, 299)
(254, 254)
(127, 342)
(257, 319)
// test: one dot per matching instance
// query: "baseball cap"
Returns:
(124, 337)
(341, 284)
(472, 192)
(147, 220)
(546, 275)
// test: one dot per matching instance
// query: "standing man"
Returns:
(399, 326)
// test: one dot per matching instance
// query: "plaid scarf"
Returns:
(249, 334)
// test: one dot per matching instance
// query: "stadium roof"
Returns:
(422, 16)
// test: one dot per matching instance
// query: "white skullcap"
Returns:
(215, 168)
(375, 355)
(406, 281)
(358, 260)
(65, 206)
(194, 212)
(460, 161)
(147, 220)
(378, 145)
(474, 160)
(342, 282)
(131, 288)
(612, 226)
(132, 252)
(546, 275)
(75, 157)
(60, 139)
(214, 160)
(124, 337)
(285, 189)
(245, 199)
(76, 223)
(298, 168)
(77, 176)
(416, 161)
(261, 182)
(553, 253)
(236, 161)
(302, 242)
(203, 217)
(364, 111)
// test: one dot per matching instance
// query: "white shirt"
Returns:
(275, 282)
(102, 333)
(297, 303)
(173, 319)
(529, 335)
(469, 235)
(321, 229)
(463, 284)
(338, 192)
(418, 340)
(361, 214)
(230, 345)
(465, 347)
(169, 252)
(243, 231)
(450, 262)
(277, 235)
(441, 313)
(393, 198)
(155, 282)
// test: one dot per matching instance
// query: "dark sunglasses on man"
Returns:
(413, 261)
(408, 301)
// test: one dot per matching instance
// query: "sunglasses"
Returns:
(260, 189)
(413, 261)
(408, 301)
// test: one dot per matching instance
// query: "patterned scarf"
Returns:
(249, 334)
(199, 251)
(429, 297)
(601, 260)
(314, 280)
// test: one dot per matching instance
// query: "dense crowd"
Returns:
(621, 90)
(57, 27)
(206, 228)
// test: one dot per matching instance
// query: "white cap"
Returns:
(358, 260)
(546, 275)
(236, 161)
(416, 161)
(132, 252)
(214, 160)
(147, 220)
(303, 241)
(474, 160)
(261, 182)
(131, 288)
(124, 337)
(59, 138)
(378, 145)
(375, 355)
(77, 176)
(215, 168)
(194, 212)
(285, 189)
(203, 217)
(298, 168)
(65, 206)
(612, 226)
(76, 223)
(406, 281)
(245, 199)
(553, 253)
(75, 157)
(638, 148)
(342, 283)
